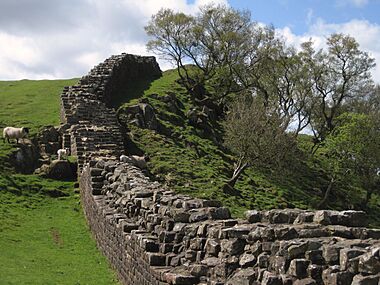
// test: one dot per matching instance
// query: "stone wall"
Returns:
(154, 236)
(90, 128)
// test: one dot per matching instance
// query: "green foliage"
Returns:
(43, 235)
(219, 41)
(354, 146)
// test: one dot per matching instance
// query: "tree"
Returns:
(256, 134)
(283, 79)
(354, 147)
(341, 73)
(220, 41)
(172, 35)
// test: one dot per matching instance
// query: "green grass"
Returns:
(44, 238)
(196, 164)
(32, 103)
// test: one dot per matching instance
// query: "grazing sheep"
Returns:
(139, 161)
(63, 153)
(15, 133)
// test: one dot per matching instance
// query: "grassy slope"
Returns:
(177, 163)
(43, 240)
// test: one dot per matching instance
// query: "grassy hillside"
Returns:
(195, 162)
(43, 235)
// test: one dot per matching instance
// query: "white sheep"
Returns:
(63, 153)
(139, 161)
(15, 133)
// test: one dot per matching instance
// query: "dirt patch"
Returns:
(56, 237)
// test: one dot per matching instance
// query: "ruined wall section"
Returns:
(90, 127)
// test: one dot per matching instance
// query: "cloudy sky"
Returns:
(65, 38)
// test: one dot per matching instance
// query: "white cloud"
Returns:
(366, 34)
(63, 39)
(356, 3)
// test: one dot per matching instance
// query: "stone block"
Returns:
(305, 281)
(298, 268)
(366, 280)
(369, 263)
(156, 259)
(347, 254)
(247, 260)
(233, 246)
(253, 216)
(270, 278)
(245, 276)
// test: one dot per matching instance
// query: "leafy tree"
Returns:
(220, 41)
(172, 35)
(354, 147)
(283, 79)
(341, 73)
(256, 134)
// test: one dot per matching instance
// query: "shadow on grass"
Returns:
(133, 90)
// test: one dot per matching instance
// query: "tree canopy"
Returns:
(274, 91)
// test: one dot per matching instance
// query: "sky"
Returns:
(51, 39)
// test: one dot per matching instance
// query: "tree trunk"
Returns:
(239, 169)
(368, 197)
(327, 193)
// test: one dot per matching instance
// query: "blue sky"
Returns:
(300, 14)
(64, 39)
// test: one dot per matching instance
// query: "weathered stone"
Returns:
(212, 247)
(298, 268)
(303, 218)
(287, 233)
(271, 279)
(355, 219)
(156, 259)
(247, 260)
(211, 261)
(242, 277)
(347, 254)
(369, 263)
(366, 280)
(334, 277)
(331, 254)
(180, 278)
(62, 170)
(297, 250)
(322, 217)
(263, 260)
(253, 216)
(305, 281)
(315, 256)
(198, 270)
(198, 215)
(233, 246)
(315, 272)
(279, 264)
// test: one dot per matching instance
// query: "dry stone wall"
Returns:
(90, 128)
(154, 236)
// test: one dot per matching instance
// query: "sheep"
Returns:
(63, 153)
(139, 161)
(15, 133)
